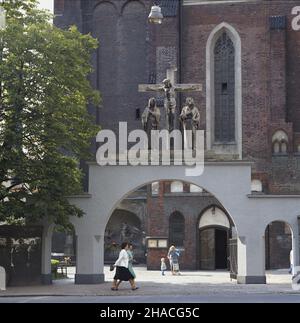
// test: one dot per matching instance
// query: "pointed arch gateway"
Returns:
(251, 213)
(215, 231)
(224, 91)
(279, 245)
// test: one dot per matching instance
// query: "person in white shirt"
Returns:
(122, 271)
(291, 262)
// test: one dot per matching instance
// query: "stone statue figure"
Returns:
(190, 118)
(151, 118)
(170, 104)
(169, 101)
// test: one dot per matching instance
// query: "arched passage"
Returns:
(278, 245)
(172, 219)
(63, 252)
(215, 231)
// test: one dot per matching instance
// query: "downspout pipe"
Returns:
(180, 49)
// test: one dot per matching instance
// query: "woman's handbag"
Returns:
(112, 268)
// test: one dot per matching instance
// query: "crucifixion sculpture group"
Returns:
(190, 115)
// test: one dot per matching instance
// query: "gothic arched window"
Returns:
(176, 229)
(224, 79)
(280, 142)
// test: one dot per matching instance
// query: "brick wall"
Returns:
(133, 52)
(191, 207)
(269, 77)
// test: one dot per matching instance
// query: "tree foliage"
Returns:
(45, 128)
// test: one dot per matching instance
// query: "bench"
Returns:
(63, 267)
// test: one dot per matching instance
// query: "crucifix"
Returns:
(170, 88)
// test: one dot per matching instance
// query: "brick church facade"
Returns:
(247, 56)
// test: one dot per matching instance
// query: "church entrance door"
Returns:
(213, 249)
(221, 241)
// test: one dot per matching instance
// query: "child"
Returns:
(163, 266)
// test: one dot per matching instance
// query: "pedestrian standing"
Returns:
(173, 256)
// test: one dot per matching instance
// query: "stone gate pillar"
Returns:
(251, 259)
(296, 246)
(46, 275)
(89, 259)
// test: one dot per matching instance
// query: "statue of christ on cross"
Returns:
(169, 87)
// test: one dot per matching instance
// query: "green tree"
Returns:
(45, 128)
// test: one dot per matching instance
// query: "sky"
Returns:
(46, 4)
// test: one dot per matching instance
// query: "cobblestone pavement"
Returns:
(190, 283)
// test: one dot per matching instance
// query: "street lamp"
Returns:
(156, 16)
(2, 18)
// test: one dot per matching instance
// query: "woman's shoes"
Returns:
(115, 289)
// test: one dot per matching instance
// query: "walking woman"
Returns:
(122, 271)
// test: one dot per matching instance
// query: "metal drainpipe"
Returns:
(180, 49)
